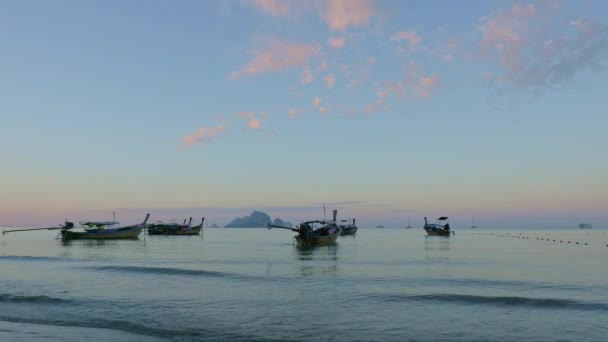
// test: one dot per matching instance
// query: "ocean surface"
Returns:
(255, 285)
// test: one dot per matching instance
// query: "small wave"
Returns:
(503, 301)
(177, 272)
(185, 334)
(118, 325)
(32, 258)
(9, 298)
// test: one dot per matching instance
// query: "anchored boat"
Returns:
(441, 228)
(161, 228)
(348, 228)
(309, 236)
(93, 230)
(100, 230)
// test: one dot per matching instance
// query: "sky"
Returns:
(385, 110)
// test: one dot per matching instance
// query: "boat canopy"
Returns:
(442, 218)
(97, 223)
(320, 222)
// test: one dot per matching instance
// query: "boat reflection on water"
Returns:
(107, 244)
(318, 261)
(437, 248)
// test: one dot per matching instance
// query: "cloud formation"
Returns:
(538, 48)
(329, 80)
(293, 113)
(338, 14)
(411, 37)
(277, 56)
(254, 123)
(316, 101)
(203, 135)
(336, 42)
(414, 83)
(273, 7)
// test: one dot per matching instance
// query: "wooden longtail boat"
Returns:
(175, 229)
(308, 236)
(348, 228)
(98, 230)
(438, 229)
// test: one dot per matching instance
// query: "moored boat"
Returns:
(175, 228)
(438, 229)
(99, 230)
(309, 236)
(348, 228)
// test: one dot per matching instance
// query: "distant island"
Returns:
(256, 219)
(214, 226)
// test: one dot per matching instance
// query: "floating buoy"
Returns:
(577, 243)
(585, 244)
(568, 241)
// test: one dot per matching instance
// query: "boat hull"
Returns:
(121, 233)
(193, 231)
(314, 241)
(348, 231)
(437, 232)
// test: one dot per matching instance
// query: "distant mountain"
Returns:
(256, 219)
(279, 222)
(214, 226)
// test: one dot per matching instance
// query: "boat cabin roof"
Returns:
(320, 221)
(98, 223)
(167, 223)
(442, 218)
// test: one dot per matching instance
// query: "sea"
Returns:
(255, 285)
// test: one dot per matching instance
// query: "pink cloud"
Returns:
(371, 60)
(354, 75)
(273, 7)
(203, 135)
(329, 80)
(536, 49)
(293, 113)
(323, 110)
(340, 14)
(278, 56)
(411, 37)
(397, 88)
(322, 66)
(426, 85)
(246, 115)
(317, 101)
(254, 123)
(336, 42)
(414, 83)
(306, 76)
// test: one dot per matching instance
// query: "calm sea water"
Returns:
(254, 285)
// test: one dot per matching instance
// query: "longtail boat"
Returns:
(175, 229)
(438, 229)
(99, 230)
(348, 228)
(308, 236)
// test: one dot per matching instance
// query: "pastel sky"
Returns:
(382, 109)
